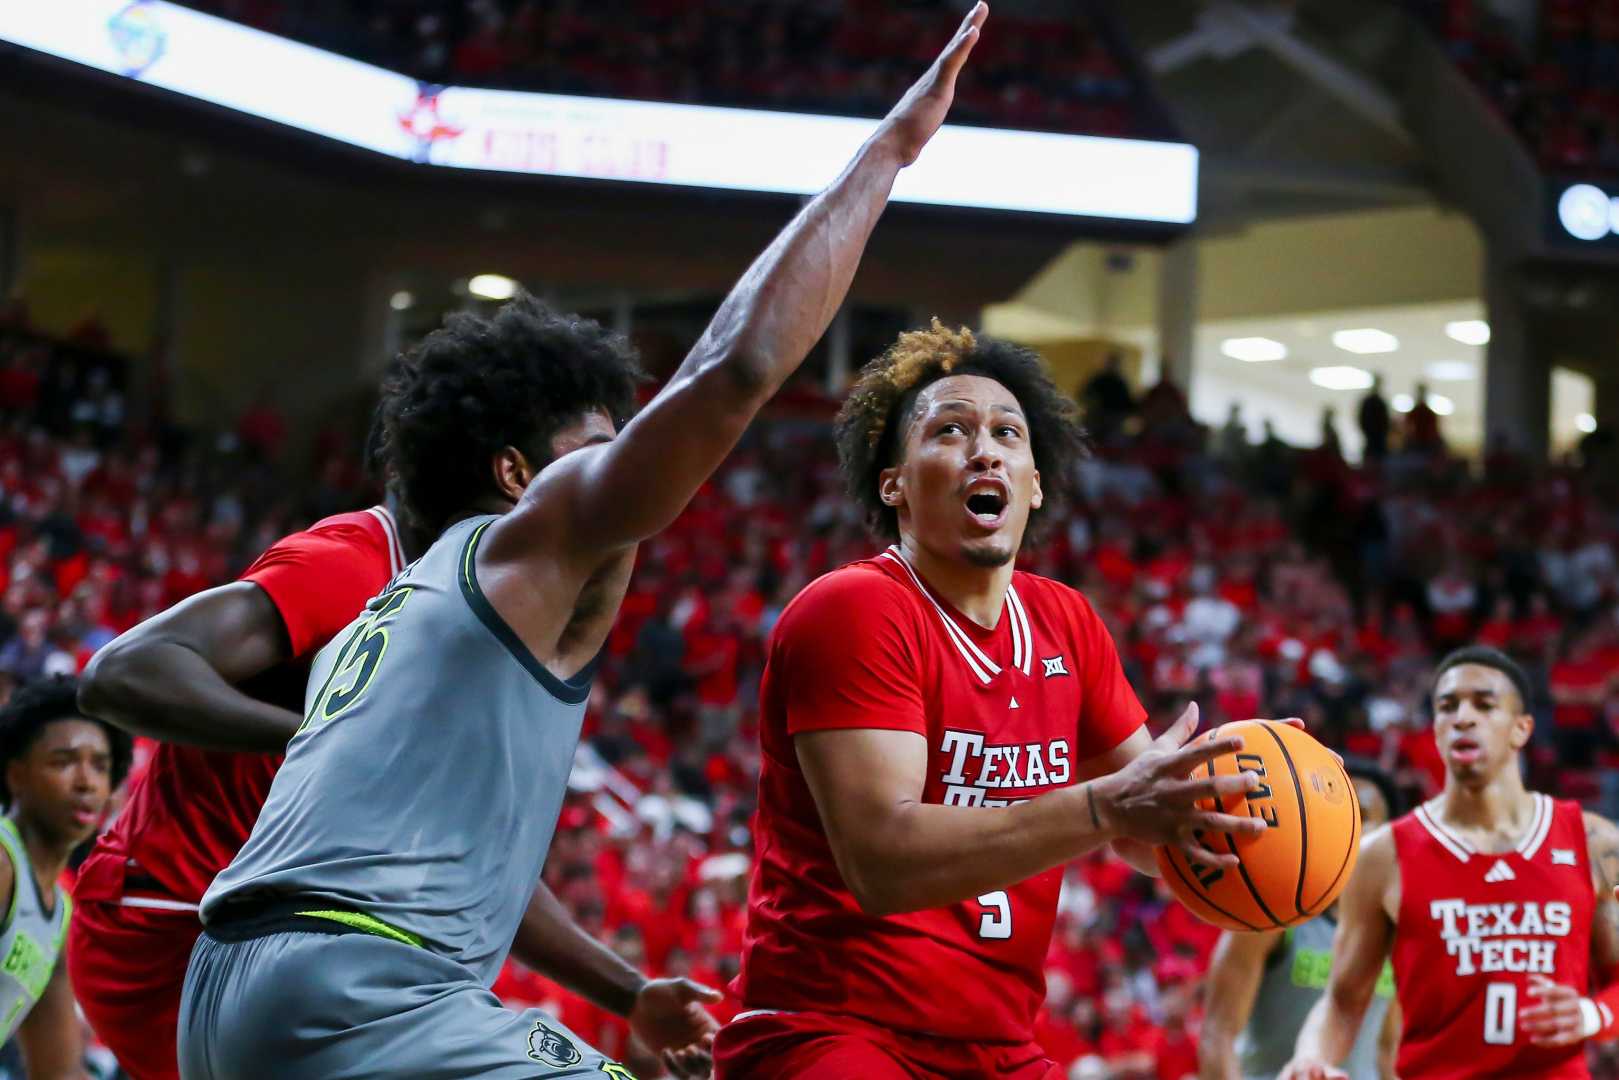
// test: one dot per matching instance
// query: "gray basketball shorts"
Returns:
(355, 1006)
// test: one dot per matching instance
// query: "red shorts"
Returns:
(128, 965)
(821, 1046)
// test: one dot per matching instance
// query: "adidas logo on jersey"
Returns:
(1500, 872)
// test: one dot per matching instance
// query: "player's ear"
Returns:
(891, 487)
(1522, 727)
(1038, 496)
(512, 472)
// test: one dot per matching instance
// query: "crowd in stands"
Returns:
(856, 57)
(1555, 79)
(1260, 580)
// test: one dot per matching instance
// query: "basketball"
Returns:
(1297, 867)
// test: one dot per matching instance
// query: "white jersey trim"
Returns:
(1451, 843)
(1539, 827)
(981, 665)
(396, 551)
(1019, 648)
(760, 1012)
(1021, 618)
(154, 902)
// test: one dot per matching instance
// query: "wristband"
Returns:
(1590, 1018)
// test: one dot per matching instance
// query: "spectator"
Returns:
(1107, 399)
(1373, 417)
(1422, 425)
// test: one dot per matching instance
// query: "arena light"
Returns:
(1586, 422)
(1441, 404)
(211, 59)
(1253, 350)
(1450, 370)
(1365, 341)
(1341, 377)
(1403, 403)
(1468, 331)
(401, 300)
(492, 287)
(1586, 212)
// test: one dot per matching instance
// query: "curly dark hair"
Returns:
(871, 426)
(41, 702)
(477, 385)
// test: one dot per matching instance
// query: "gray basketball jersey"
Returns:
(32, 940)
(1295, 978)
(419, 798)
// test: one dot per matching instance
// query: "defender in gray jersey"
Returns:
(58, 769)
(356, 933)
(1261, 987)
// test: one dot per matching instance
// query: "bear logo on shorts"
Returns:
(551, 1047)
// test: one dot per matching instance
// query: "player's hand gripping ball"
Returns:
(1297, 867)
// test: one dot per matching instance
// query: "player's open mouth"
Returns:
(85, 815)
(987, 503)
(1465, 750)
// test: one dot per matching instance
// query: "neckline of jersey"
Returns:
(980, 634)
(1540, 823)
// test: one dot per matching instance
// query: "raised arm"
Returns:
(173, 677)
(604, 498)
(1235, 973)
(897, 853)
(1359, 949)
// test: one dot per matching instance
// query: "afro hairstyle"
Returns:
(480, 384)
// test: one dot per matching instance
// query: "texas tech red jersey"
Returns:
(1008, 714)
(1472, 929)
(190, 811)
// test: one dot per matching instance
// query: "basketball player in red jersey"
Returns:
(221, 677)
(939, 733)
(1495, 902)
(222, 674)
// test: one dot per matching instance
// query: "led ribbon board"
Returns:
(239, 68)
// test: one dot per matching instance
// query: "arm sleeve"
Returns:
(843, 658)
(1109, 710)
(319, 581)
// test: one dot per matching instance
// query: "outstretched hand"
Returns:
(911, 123)
(1154, 798)
(668, 1016)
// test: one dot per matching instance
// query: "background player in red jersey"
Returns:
(225, 672)
(220, 677)
(1495, 902)
(896, 923)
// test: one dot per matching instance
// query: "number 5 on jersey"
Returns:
(996, 922)
(357, 662)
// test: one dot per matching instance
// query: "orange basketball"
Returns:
(1298, 866)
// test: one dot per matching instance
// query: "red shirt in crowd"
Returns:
(1579, 676)
(1007, 714)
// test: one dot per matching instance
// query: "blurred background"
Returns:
(1336, 284)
